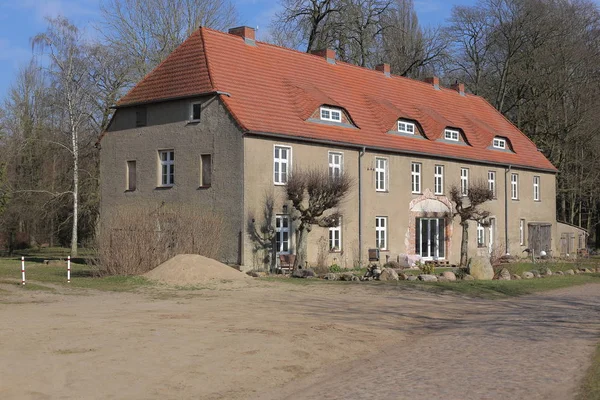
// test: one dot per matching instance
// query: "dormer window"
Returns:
(499, 143)
(451, 134)
(406, 127)
(331, 114)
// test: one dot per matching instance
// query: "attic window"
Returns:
(451, 134)
(406, 127)
(499, 143)
(331, 114)
(195, 111)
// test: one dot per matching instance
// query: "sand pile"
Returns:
(192, 269)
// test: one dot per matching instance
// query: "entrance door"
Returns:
(431, 238)
(540, 237)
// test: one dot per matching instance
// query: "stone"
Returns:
(427, 278)
(585, 270)
(569, 272)
(545, 271)
(468, 278)
(402, 276)
(411, 278)
(442, 279)
(388, 274)
(515, 277)
(256, 274)
(527, 275)
(449, 275)
(330, 277)
(303, 273)
(536, 273)
(480, 268)
(558, 273)
(598, 269)
(503, 275)
(409, 260)
(347, 276)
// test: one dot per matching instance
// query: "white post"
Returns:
(69, 269)
(22, 270)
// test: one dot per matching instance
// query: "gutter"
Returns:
(506, 172)
(360, 214)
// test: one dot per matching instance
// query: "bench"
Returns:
(286, 262)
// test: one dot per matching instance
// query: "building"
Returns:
(221, 122)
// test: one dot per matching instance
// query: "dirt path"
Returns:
(274, 341)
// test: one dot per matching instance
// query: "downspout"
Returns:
(361, 153)
(506, 172)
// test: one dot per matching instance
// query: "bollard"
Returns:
(22, 270)
(69, 269)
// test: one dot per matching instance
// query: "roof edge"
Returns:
(161, 100)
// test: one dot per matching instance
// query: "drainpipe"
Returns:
(506, 172)
(360, 217)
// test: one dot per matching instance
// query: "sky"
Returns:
(20, 20)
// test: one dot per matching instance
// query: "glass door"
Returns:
(430, 238)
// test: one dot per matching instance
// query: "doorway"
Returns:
(431, 238)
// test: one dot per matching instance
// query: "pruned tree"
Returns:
(262, 233)
(467, 207)
(315, 197)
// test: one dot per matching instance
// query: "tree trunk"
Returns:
(301, 235)
(464, 245)
(75, 191)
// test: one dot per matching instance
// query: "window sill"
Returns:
(193, 121)
(514, 199)
(129, 190)
(381, 191)
(417, 193)
(164, 187)
(335, 251)
(279, 184)
(204, 187)
(537, 201)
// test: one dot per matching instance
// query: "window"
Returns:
(492, 182)
(499, 143)
(522, 232)
(167, 167)
(281, 163)
(438, 179)
(491, 231)
(331, 114)
(381, 174)
(131, 176)
(335, 237)
(406, 127)
(195, 111)
(282, 234)
(451, 134)
(336, 161)
(381, 233)
(514, 186)
(464, 181)
(140, 117)
(415, 174)
(536, 188)
(480, 235)
(205, 170)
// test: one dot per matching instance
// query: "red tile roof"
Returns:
(274, 90)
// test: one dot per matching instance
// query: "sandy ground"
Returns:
(273, 340)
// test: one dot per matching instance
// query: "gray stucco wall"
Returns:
(168, 127)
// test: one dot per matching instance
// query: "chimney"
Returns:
(435, 81)
(328, 54)
(246, 33)
(385, 68)
(459, 87)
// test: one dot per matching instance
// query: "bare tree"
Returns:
(315, 197)
(467, 207)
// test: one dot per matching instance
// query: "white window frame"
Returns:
(166, 168)
(438, 180)
(381, 233)
(336, 164)
(464, 181)
(381, 174)
(492, 182)
(129, 185)
(499, 143)
(451, 134)
(195, 103)
(415, 177)
(536, 188)
(406, 127)
(327, 114)
(335, 237)
(280, 177)
(491, 233)
(522, 232)
(514, 186)
(280, 230)
(480, 235)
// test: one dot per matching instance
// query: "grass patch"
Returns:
(590, 388)
(520, 267)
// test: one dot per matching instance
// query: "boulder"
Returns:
(428, 278)
(448, 275)
(480, 268)
(585, 270)
(527, 275)
(558, 273)
(347, 276)
(468, 278)
(411, 278)
(442, 279)
(330, 277)
(402, 276)
(256, 274)
(503, 275)
(569, 272)
(515, 277)
(545, 271)
(303, 273)
(536, 273)
(388, 274)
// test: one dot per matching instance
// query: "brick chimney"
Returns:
(246, 33)
(459, 87)
(434, 80)
(328, 54)
(385, 68)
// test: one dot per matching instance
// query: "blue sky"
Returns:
(22, 19)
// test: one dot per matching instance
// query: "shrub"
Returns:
(335, 268)
(427, 268)
(461, 273)
(392, 265)
(135, 239)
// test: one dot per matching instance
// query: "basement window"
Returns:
(499, 143)
(451, 134)
(331, 114)
(406, 127)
